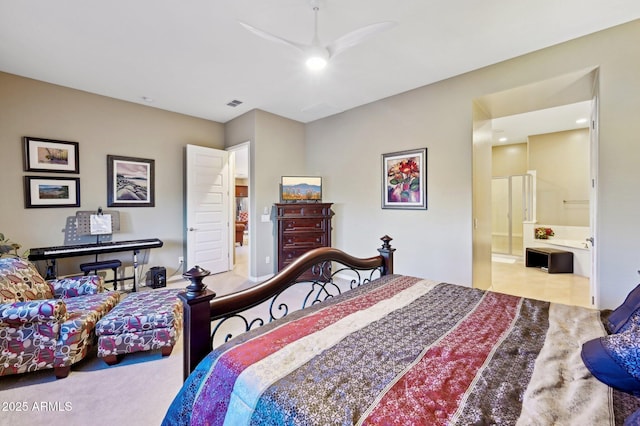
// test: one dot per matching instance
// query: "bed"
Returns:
(404, 350)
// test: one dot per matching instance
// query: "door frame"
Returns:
(593, 196)
(233, 149)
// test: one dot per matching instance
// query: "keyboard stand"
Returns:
(51, 273)
(51, 254)
(135, 269)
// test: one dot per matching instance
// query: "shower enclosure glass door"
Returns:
(511, 199)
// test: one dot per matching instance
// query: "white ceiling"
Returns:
(193, 57)
(516, 128)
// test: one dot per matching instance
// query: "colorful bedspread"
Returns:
(407, 351)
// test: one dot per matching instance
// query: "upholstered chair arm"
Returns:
(32, 311)
(64, 288)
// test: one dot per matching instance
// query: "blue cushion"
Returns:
(633, 420)
(614, 360)
(619, 320)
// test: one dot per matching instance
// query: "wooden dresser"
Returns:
(300, 228)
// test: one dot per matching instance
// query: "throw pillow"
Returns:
(615, 360)
(622, 317)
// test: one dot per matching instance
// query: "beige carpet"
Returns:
(136, 391)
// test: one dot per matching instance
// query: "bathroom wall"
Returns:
(561, 161)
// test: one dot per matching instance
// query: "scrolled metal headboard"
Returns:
(329, 270)
(331, 279)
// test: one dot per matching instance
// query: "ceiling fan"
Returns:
(318, 55)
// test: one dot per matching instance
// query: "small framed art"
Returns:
(130, 182)
(48, 155)
(47, 191)
(404, 180)
(300, 189)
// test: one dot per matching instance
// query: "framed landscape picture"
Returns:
(297, 189)
(46, 191)
(48, 155)
(130, 182)
(404, 180)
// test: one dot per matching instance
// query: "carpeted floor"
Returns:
(136, 391)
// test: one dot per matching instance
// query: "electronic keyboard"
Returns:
(46, 253)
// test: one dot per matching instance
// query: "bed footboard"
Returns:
(328, 265)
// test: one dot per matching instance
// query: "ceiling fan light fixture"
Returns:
(317, 56)
(316, 63)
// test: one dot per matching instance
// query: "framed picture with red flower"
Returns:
(404, 180)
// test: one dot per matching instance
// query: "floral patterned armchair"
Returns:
(47, 324)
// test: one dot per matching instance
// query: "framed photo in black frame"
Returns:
(130, 182)
(47, 191)
(49, 155)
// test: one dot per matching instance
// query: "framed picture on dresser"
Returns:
(300, 189)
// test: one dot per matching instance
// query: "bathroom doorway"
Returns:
(578, 87)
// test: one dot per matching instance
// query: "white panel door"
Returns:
(207, 209)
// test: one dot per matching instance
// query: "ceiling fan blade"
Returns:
(272, 37)
(357, 36)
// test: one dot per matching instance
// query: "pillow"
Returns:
(615, 360)
(21, 281)
(619, 320)
(633, 420)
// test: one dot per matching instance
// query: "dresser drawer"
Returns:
(291, 254)
(302, 209)
(306, 241)
(304, 225)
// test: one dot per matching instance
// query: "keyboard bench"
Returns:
(102, 265)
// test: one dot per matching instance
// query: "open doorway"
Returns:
(506, 172)
(241, 209)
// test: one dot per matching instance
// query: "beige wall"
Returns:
(277, 148)
(561, 162)
(436, 243)
(481, 191)
(101, 126)
(508, 160)
(347, 149)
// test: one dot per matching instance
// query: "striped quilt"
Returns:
(407, 351)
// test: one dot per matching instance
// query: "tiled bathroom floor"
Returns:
(517, 279)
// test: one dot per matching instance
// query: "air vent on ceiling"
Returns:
(234, 103)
